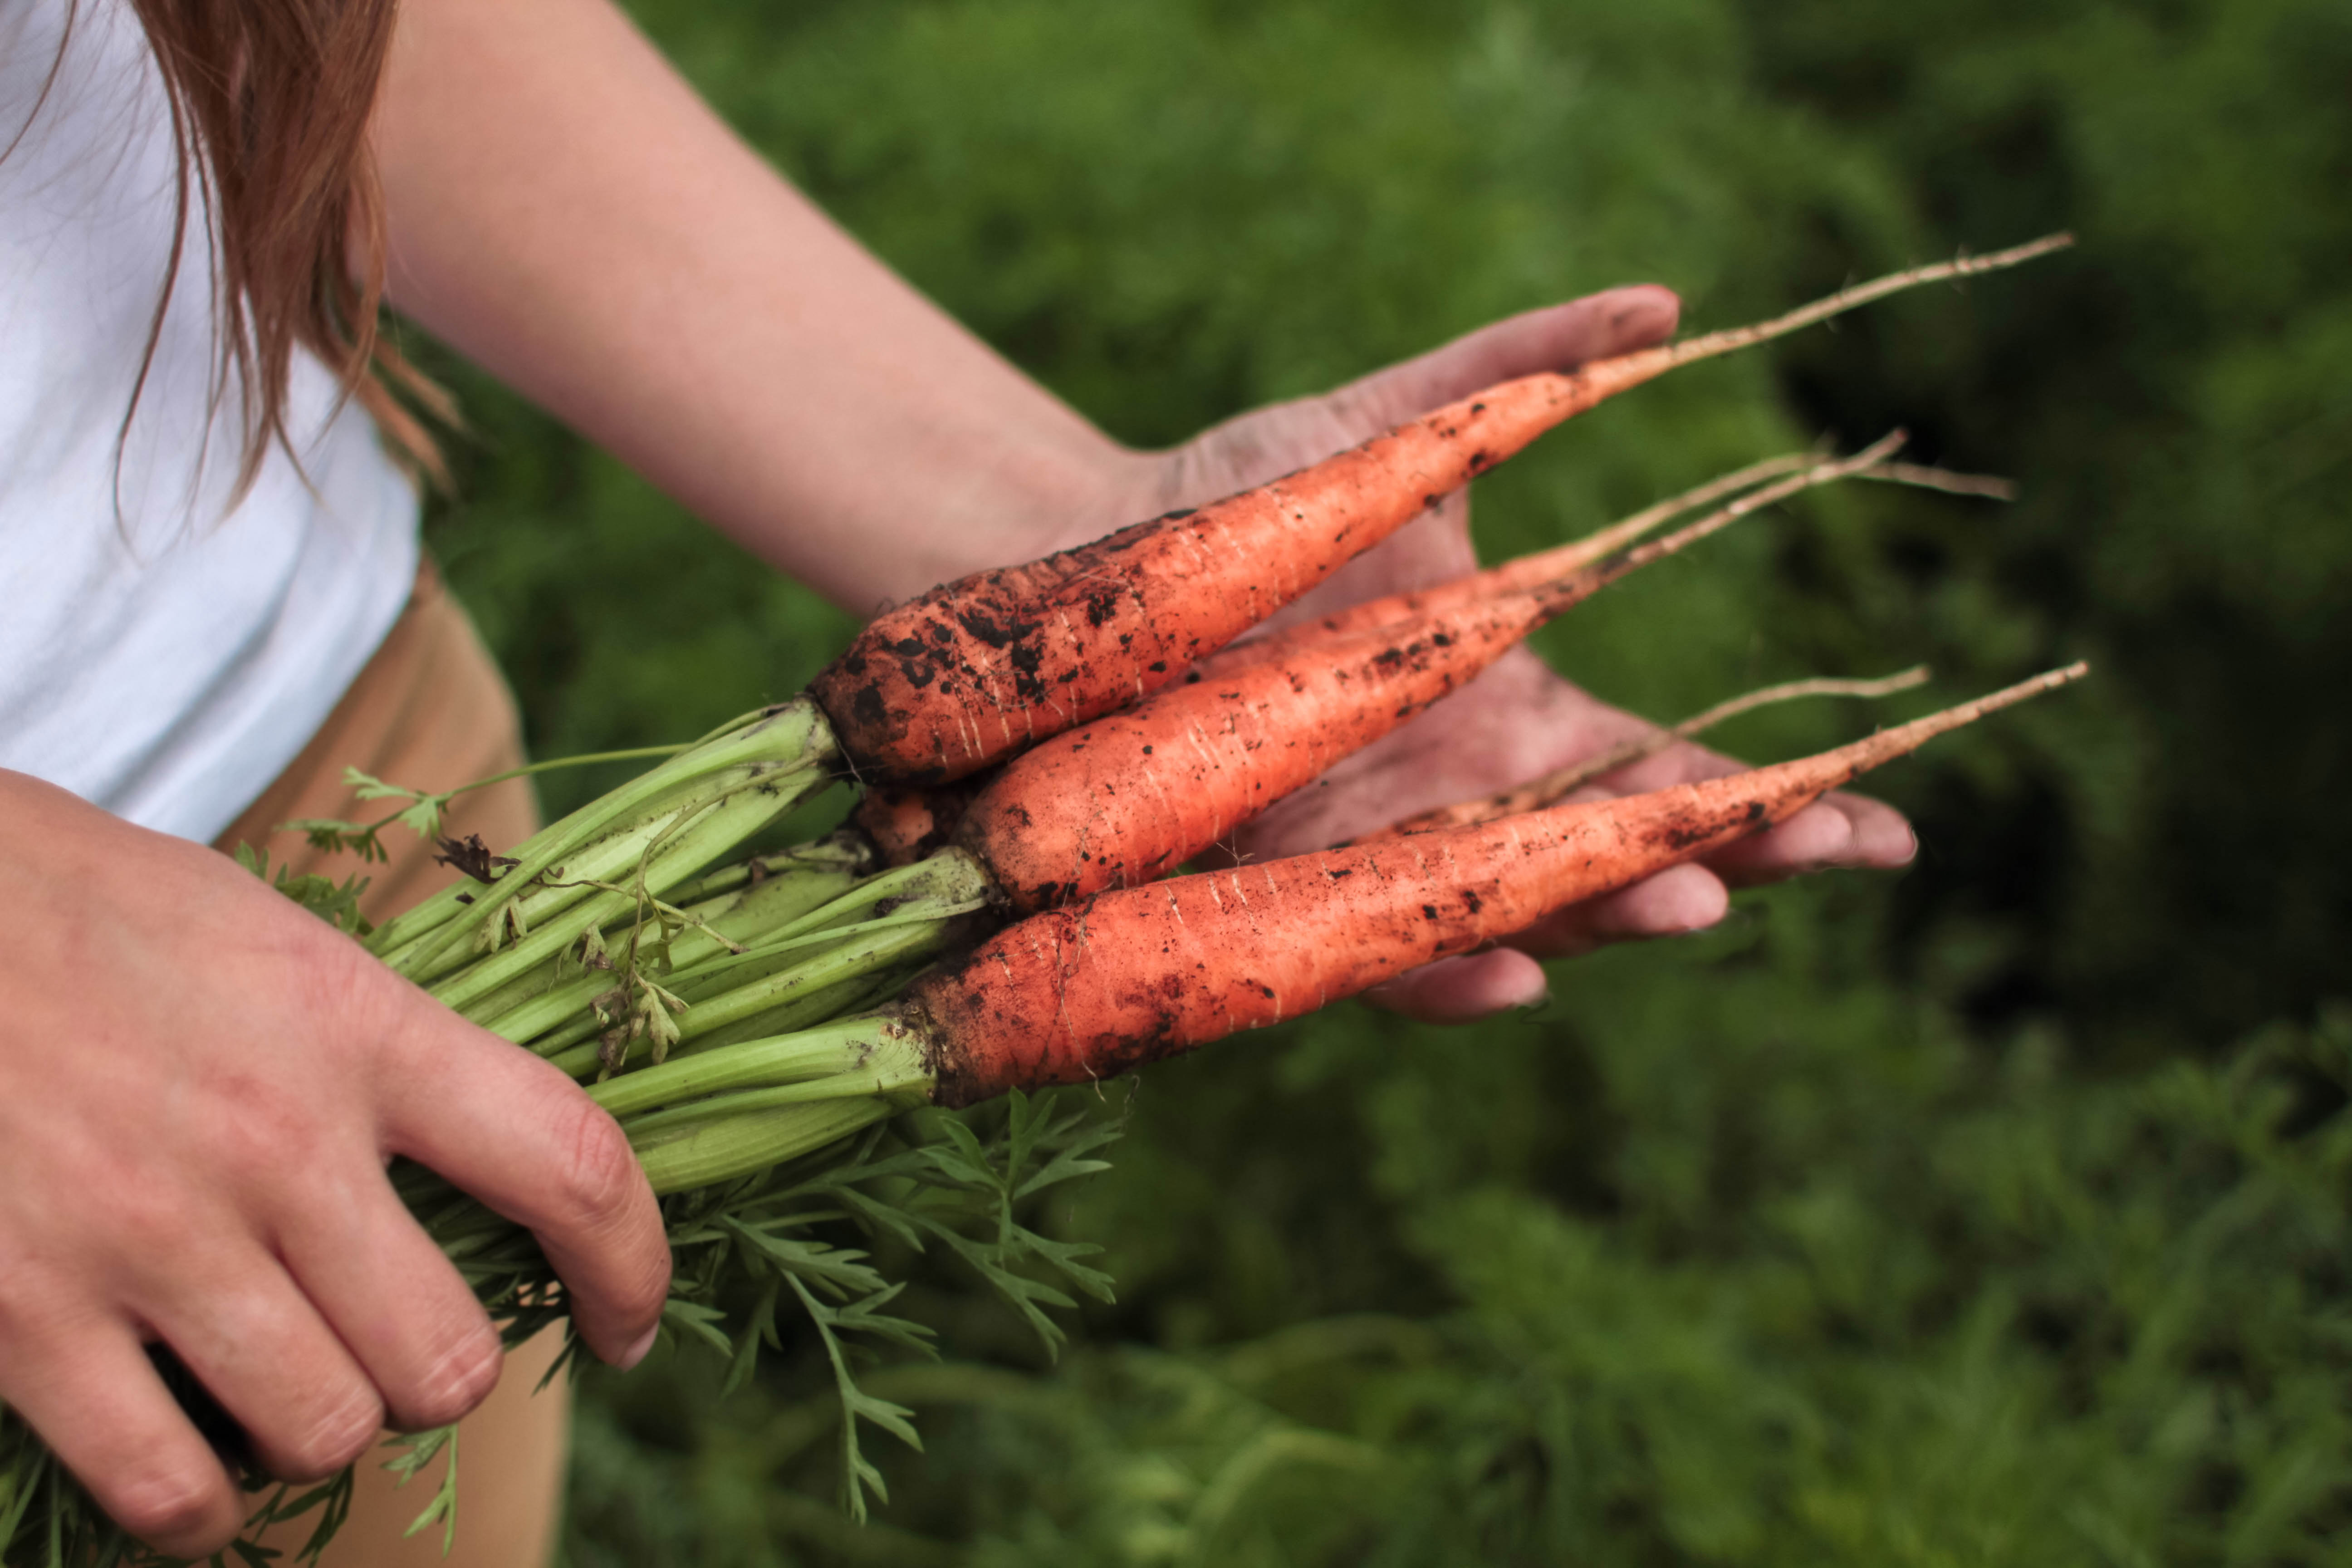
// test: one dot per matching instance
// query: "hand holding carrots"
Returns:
(1518, 721)
(200, 1086)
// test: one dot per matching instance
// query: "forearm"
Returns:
(564, 211)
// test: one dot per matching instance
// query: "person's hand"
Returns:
(1518, 721)
(200, 1086)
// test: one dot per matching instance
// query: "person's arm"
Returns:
(566, 212)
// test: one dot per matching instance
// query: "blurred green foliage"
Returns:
(1994, 1213)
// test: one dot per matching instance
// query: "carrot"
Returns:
(940, 687)
(1132, 977)
(906, 822)
(1128, 798)
(1550, 788)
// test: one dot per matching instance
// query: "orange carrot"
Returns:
(1129, 977)
(1126, 799)
(940, 688)
(974, 670)
(906, 822)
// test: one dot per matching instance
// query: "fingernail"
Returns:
(638, 1352)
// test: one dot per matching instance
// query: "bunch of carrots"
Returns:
(1043, 749)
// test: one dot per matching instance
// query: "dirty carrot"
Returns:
(906, 822)
(1126, 799)
(1129, 977)
(941, 686)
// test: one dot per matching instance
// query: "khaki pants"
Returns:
(432, 711)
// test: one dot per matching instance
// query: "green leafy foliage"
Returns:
(1992, 1213)
(336, 904)
(964, 1181)
(962, 1161)
(412, 1453)
(335, 836)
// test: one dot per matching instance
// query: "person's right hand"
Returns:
(201, 1085)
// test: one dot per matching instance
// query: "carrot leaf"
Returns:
(416, 1449)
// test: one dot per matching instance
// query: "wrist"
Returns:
(1023, 499)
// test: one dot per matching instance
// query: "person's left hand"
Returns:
(1518, 721)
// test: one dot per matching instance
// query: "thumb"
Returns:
(1557, 337)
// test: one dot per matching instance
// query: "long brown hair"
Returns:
(270, 101)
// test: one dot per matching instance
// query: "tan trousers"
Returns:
(432, 711)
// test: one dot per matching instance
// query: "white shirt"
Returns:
(160, 655)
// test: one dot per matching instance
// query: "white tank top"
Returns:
(160, 655)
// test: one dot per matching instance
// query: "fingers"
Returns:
(89, 1389)
(1464, 990)
(393, 1298)
(1883, 838)
(250, 1338)
(522, 1138)
(1558, 337)
(1838, 830)
(1674, 902)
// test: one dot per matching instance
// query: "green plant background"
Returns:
(1994, 1213)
